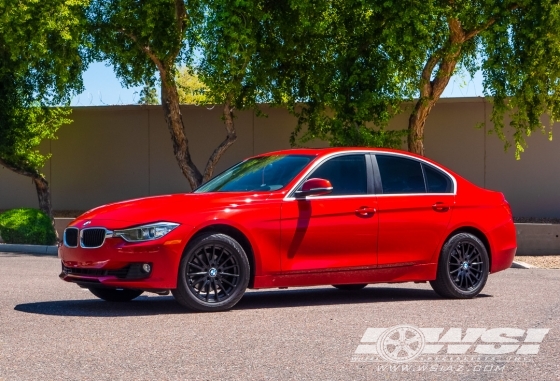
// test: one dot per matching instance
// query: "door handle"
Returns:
(440, 207)
(365, 211)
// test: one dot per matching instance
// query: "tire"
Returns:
(463, 267)
(115, 295)
(349, 287)
(213, 274)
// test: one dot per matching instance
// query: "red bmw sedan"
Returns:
(345, 217)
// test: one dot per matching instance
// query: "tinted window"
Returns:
(347, 174)
(400, 175)
(264, 173)
(436, 181)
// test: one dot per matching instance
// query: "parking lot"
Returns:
(51, 330)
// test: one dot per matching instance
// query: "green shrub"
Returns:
(26, 226)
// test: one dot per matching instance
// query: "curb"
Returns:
(29, 249)
(522, 265)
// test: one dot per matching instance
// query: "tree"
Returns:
(337, 71)
(147, 37)
(213, 41)
(516, 44)
(41, 61)
(234, 66)
(364, 58)
(148, 95)
(191, 89)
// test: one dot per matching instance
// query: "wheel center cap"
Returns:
(465, 265)
(213, 272)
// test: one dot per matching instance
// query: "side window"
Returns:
(347, 174)
(436, 181)
(400, 175)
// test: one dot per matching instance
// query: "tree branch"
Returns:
(18, 170)
(228, 141)
(426, 77)
(180, 24)
(180, 16)
(487, 24)
(145, 49)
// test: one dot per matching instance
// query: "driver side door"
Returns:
(337, 231)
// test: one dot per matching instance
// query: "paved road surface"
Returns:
(51, 330)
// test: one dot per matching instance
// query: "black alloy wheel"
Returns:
(213, 275)
(463, 267)
(350, 287)
(115, 294)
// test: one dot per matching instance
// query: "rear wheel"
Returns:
(213, 274)
(115, 294)
(349, 287)
(463, 267)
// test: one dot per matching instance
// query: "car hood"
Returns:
(169, 208)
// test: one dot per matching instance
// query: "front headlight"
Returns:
(145, 232)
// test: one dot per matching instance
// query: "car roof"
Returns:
(319, 152)
(330, 150)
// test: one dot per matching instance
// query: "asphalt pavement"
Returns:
(52, 330)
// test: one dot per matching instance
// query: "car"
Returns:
(346, 217)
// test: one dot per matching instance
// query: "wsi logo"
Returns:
(404, 343)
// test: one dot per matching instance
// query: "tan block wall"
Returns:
(119, 152)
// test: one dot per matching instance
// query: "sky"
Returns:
(103, 88)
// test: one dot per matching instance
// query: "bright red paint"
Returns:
(320, 240)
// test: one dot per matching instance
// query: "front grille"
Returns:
(132, 271)
(93, 237)
(71, 237)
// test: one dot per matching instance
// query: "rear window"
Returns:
(400, 175)
(437, 181)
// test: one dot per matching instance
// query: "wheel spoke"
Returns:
(220, 257)
(222, 287)
(215, 291)
(228, 274)
(195, 265)
(227, 281)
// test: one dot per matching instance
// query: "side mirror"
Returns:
(314, 187)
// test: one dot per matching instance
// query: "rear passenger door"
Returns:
(415, 202)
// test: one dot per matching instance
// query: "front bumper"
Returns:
(119, 264)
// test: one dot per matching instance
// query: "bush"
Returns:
(26, 226)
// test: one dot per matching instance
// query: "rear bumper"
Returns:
(119, 264)
(503, 244)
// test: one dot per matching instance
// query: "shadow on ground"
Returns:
(163, 305)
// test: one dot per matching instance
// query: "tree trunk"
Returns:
(42, 187)
(174, 120)
(228, 141)
(416, 124)
(431, 90)
(44, 197)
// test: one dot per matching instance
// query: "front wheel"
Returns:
(213, 274)
(115, 294)
(463, 267)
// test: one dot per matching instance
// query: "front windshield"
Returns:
(264, 173)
